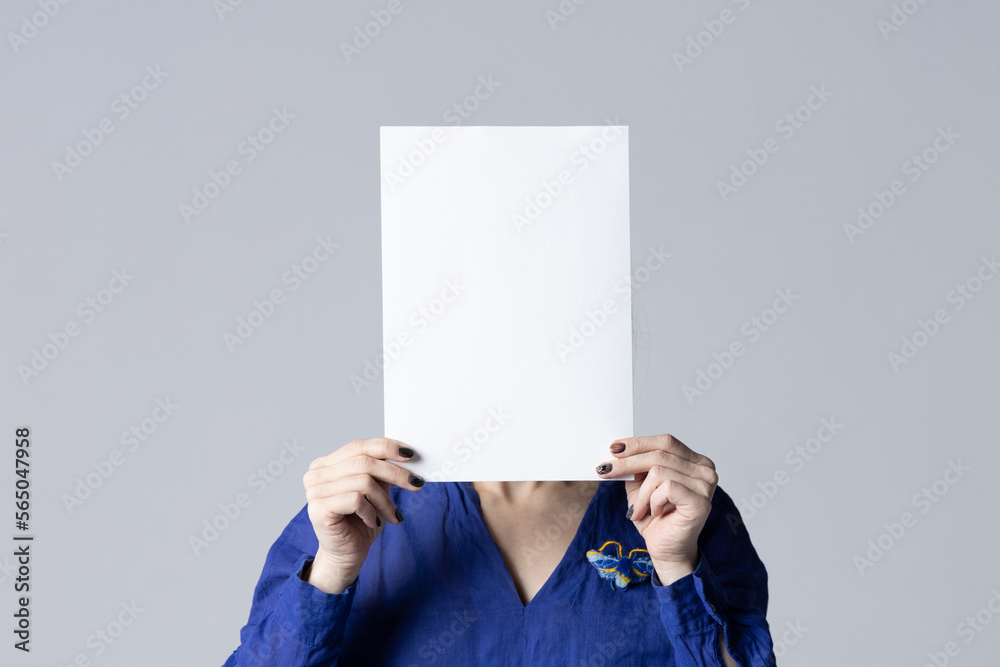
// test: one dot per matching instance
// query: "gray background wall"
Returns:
(887, 95)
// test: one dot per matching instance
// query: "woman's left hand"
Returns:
(670, 498)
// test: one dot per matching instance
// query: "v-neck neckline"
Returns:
(492, 549)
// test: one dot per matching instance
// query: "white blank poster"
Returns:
(506, 299)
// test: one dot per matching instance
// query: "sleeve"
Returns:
(727, 589)
(292, 623)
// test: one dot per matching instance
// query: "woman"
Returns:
(655, 571)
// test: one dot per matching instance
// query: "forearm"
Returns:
(326, 577)
(298, 624)
(668, 573)
(692, 625)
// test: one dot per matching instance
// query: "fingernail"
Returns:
(416, 481)
(628, 515)
(399, 515)
(378, 522)
(618, 448)
(604, 468)
(405, 451)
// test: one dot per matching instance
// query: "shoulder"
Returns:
(723, 522)
(724, 515)
(726, 541)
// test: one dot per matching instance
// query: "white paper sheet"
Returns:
(506, 299)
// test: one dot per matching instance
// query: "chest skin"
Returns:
(533, 539)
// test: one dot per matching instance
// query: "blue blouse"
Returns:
(434, 590)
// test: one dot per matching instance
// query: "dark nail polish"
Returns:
(604, 468)
(399, 515)
(405, 451)
(378, 522)
(628, 514)
(618, 448)
(416, 481)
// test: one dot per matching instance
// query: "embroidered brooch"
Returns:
(621, 571)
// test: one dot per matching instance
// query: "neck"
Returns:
(517, 492)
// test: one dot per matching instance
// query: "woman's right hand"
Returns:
(348, 503)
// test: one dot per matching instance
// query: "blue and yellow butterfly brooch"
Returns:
(621, 571)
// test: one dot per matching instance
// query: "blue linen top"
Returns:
(435, 590)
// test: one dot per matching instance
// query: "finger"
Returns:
(664, 442)
(384, 471)
(659, 480)
(677, 493)
(647, 460)
(367, 513)
(373, 492)
(344, 505)
(640, 500)
(380, 448)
